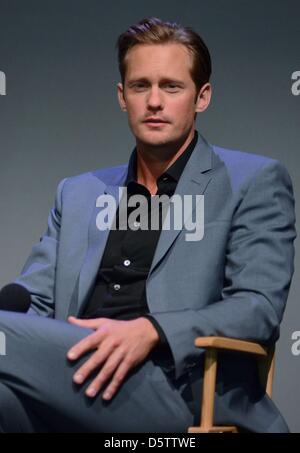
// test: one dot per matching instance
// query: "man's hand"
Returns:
(119, 346)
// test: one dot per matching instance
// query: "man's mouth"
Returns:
(155, 123)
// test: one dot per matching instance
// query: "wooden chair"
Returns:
(212, 345)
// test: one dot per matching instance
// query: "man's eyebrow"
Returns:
(163, 80)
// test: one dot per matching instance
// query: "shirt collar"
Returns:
(175, 170)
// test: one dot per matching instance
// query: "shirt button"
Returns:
(117, 287)
(127, 263)
(165, 178)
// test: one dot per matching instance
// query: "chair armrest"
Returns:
(231, 344)
(212, 345)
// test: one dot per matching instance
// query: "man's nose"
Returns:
(154, 99)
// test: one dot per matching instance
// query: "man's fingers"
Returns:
(88, 343)
(115, 364)
(117, 380)
(95, 361)
(90, 323)
(89, 366)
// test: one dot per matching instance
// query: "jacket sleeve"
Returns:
(163, 344)
(38, 273)
(257, 275)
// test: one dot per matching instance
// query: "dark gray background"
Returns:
(61, 117)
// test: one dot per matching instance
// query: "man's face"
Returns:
(158, 84)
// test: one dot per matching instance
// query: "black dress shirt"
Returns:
(120, 287)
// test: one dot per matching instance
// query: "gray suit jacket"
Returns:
(233, 282)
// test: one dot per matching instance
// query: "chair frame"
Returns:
(212, 345)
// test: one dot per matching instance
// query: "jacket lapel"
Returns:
(193, 181)
(96, 244)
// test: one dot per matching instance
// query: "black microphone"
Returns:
(14, 297)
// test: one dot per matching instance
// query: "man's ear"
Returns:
(203, 98)
(121, 96)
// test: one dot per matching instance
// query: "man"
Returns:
(119, 309)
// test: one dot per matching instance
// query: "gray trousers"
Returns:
(37, 393)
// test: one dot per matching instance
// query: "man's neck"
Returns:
(153, 161)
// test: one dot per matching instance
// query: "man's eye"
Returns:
(172, 87)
